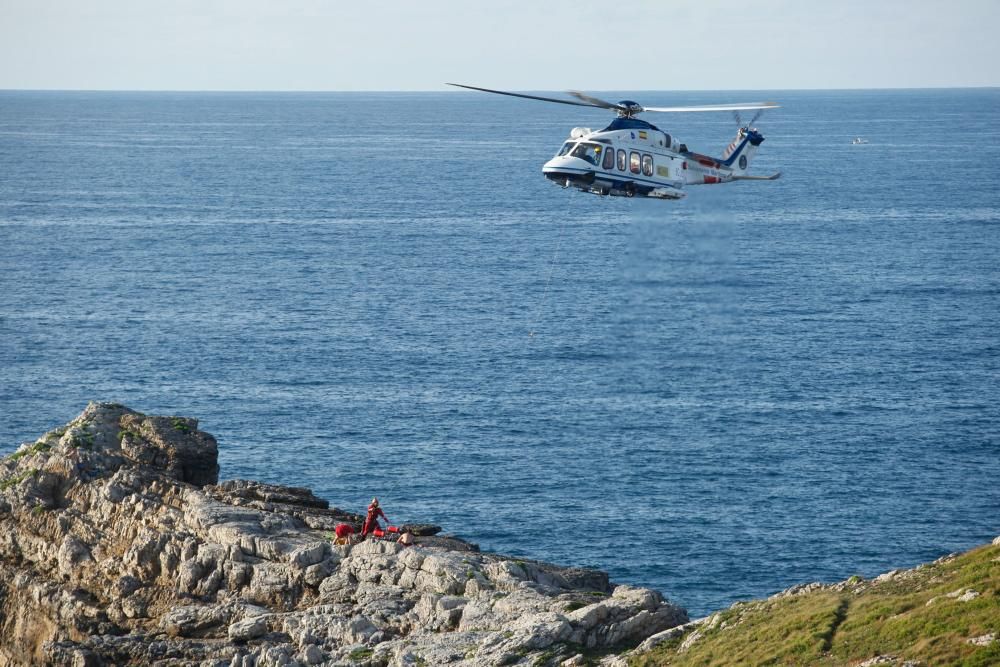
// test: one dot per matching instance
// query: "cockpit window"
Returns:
(566, 148)
(589, 152)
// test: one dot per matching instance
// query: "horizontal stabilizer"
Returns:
(772, 177)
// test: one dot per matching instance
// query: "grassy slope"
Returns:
(909, 616)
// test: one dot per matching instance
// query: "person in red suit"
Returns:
(344, 532)
(371, 525)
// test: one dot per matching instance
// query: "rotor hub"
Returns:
(628, 109)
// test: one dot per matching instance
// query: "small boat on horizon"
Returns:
(859, 140)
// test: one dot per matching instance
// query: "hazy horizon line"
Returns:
(451, 90)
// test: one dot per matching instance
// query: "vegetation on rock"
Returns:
(942, 613)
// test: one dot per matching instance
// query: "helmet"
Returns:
(374, 502)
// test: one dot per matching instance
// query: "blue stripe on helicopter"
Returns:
(718, 162)
(615, 178)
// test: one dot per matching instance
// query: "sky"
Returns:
(510, 44)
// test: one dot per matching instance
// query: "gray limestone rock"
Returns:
(117, 546)
(248, 628)
(172, 443)
(194, 620)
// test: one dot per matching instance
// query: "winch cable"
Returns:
(542, 303)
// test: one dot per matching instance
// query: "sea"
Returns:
(378, 294)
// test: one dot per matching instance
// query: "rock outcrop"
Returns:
(119, 546)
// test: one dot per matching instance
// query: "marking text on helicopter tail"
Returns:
(631, 157)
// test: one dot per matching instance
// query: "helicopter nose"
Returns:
(554, 163)
(566, 170)
(552, 168)
(567, 163)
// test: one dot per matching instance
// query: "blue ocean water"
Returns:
(379, 294)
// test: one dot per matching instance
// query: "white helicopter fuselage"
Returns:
(632, 157)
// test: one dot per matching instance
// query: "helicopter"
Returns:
(631, 157)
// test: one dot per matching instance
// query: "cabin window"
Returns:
(633, 162)
(588, 152)
(609, 158)
(647, 164)
(565, 148)
(668, 140)
(621, 160)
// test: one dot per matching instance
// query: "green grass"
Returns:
(359, 654)
(545, 658)
(910, 617)
(17, 479)
(38, 447)
(180, 425)
(83, 438)
(123, 432)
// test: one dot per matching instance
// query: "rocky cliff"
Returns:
(119, 546)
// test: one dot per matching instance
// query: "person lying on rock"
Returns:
(344, 532)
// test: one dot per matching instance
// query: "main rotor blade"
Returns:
(596, 101)
(718, 107)
(530, 97)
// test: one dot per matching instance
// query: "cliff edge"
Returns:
(118, 546)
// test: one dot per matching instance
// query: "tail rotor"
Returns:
(739, 119)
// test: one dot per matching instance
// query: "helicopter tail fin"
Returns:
(741, 150)
(733, 145)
